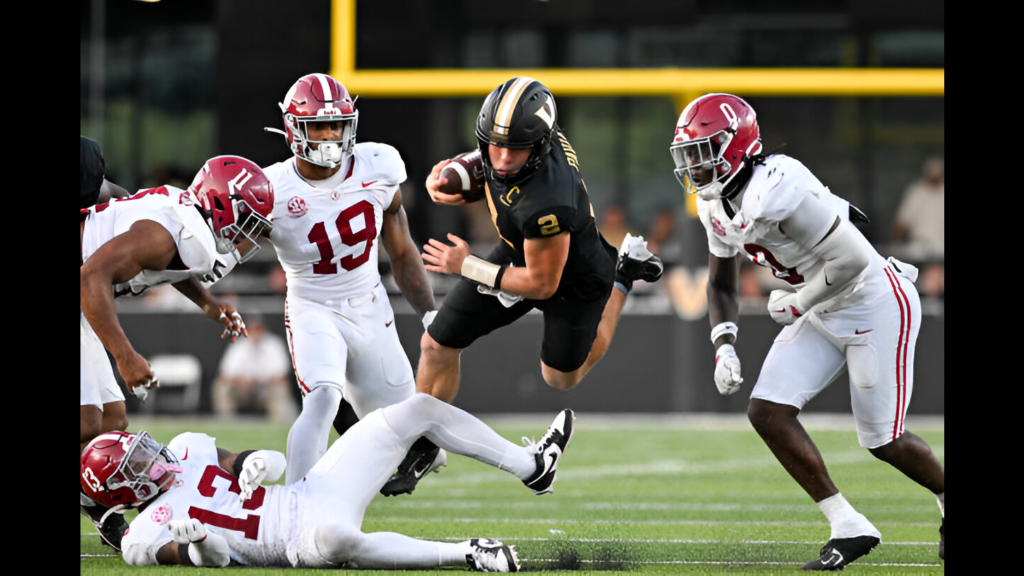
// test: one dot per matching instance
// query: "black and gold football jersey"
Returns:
(554, 201)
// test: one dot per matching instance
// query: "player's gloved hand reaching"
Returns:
(258, 466)
(187, 531)
(253, 472)
(727, 370)
(783, 307)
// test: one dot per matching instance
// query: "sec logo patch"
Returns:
(162, 514)
(297, 207)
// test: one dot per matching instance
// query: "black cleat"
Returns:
(549, 451)
(636, 262)
(839, 552)
(111, 530)
(492, 556)
(417, 463)
(942, 539)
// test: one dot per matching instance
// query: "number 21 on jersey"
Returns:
(318, 235)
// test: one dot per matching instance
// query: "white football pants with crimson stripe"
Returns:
(875, 339)
(351, 345)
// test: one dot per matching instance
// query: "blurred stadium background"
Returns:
(854, 89)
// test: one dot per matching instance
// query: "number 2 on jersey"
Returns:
(249, 526)
(318, 236)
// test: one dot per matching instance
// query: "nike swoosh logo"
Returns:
(185, 457)
(420, 473)
(365, 184)
(863, 331)
(386, 324)
(834, 559)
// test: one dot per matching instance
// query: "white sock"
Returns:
(942, 503)
(844, 520)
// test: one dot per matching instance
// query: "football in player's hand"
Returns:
(465, 174)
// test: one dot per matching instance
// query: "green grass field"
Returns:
(666, 497)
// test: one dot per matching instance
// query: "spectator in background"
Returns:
(920, 219)
(254, 375)
(662, 238)
(613, 225)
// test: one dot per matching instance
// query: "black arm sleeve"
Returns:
(239, 462)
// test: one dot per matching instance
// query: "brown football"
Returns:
(465, 174)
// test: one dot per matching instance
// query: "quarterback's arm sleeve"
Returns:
(548, 222)
(844, 250)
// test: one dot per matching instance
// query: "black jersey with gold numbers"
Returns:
(554, 201)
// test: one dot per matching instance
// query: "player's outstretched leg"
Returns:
(346, 546)
(459, 432)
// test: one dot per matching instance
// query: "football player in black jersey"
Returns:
(551, 257)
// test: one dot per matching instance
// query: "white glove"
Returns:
(187, 531)
(428, 318)
(783, 308)
(727, 370)
(254, 470)
(507, 299)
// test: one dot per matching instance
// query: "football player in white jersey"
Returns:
(848, 307)
(332, 199)
(204, 506)
(157, 236)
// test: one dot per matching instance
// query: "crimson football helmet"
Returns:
(122, 471)
(237, 199)
(716, 137)
(318, 98)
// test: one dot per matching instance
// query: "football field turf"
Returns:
(660, 495)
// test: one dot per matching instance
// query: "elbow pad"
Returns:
(846, 253)
(211, 552)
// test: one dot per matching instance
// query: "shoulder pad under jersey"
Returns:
(777, 188)
(379, 162)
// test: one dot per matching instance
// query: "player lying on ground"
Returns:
(201, 505)
(848, 308)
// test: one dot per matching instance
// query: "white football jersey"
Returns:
(256, 530)
(327, 238)
(774, 191)
(172, 208)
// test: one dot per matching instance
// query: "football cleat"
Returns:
(636, 262)
(549, 451)
(111, 529)
(492, 556)
(838, 552)
(942, 539)
(424, 457)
